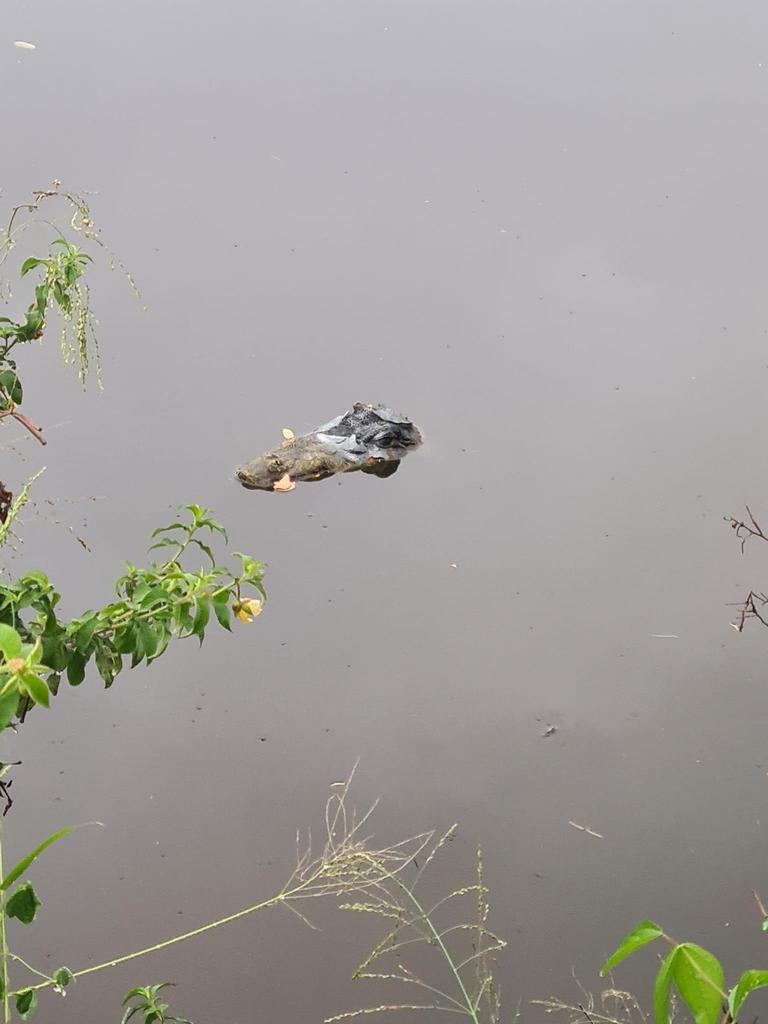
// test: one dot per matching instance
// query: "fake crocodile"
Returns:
(369, 438)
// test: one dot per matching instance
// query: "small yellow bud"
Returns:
(16, 664)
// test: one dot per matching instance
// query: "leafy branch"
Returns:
(61, 287)
(155, 604)
(695, 973)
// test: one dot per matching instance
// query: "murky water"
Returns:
(537, 228)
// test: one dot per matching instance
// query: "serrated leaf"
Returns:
(640, 936)
(204, 547)
(167, 529)
(202, 614)
(23, 904)
(699, 977)
(221, 611)
(165, 542)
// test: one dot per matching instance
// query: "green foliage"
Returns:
(23, 904)
(146, 1001)
(18, 503)
(60, 286)
(62, 977)
(19, 869)
(645, 932)
(161, 601)
(695, 973)
(173, 598)
(26, 1003)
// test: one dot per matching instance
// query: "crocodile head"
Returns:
(262, 473)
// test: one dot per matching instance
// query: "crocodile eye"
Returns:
(386, 440)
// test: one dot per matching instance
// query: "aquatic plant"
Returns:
(474, 994)
(350, 867)
(688, 973)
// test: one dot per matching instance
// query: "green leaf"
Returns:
(63, 977)
(11, 383)
(108, 664)
(166, 542)
(10, 642)
(30, 264)
(699, 976)
(26, 1003)
(202, 614)
(221, 611)
(167, 529)
(84, 635)
(661, 988)
(139, 991)
(748, 982)
(644, 933)
(36, 688)
(76, 668)
(125, 639)
(8, 704)
(204, 548)
(23, 904)
(156, 595)
(35, 576)
(18, 869)
(149, 640)
(55, 653)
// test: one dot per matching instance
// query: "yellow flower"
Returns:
(247, 611)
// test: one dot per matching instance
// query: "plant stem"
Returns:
(34, 970)
(471, 1010)
(281, 897)
(4, 944)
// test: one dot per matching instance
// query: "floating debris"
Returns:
(369, 438)
(549, 731)
(587, 829)
(21, 45)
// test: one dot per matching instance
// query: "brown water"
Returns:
(538, 228)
